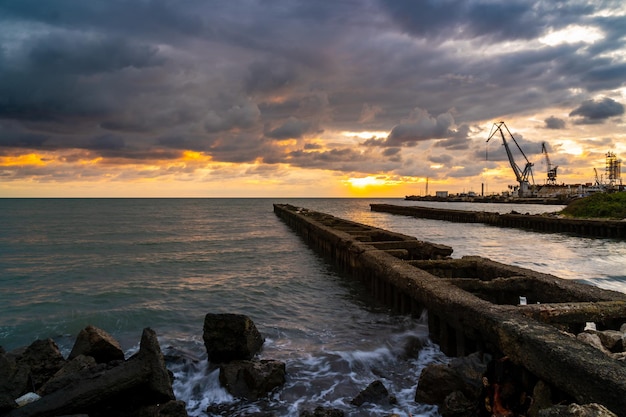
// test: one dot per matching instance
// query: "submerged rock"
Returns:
(375, 393)
(252, 379)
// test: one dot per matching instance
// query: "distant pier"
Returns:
(474, 303)
(540, 223)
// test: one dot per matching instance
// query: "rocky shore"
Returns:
(96, 380)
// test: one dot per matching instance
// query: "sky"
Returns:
(301, 98)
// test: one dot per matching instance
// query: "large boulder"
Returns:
(95, 342)
(27, 369)
(230, 337)
(252, 379)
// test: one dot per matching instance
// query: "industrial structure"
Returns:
(525, 188)
(613, 170)
(551, 170)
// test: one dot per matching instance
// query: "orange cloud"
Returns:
(21, 160)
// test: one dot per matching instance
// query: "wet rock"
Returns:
(44, 359)
(593, 340)
(542, 398)
(252, 379)
(169, 409)
(375, 393)
(436, 382)
(412, 347)
(456, 404)
(13, 378)
(613, 340)
(464, 374)
(230, 337)
(105, 389)
(322, 412)
(7, 403)
(27, 369)
(71, 372)
(95, 342)
(575, 410)
(176, 355)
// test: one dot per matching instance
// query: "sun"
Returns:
(365, 182)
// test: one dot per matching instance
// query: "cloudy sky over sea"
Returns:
(304, 98)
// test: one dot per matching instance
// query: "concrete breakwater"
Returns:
(540, 223)
(474, 304)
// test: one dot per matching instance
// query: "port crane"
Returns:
(525, 188)
(551, 169)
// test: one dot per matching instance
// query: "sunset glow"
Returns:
(168, 102)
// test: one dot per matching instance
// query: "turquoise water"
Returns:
(126, 264)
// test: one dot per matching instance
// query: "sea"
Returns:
(126, 264)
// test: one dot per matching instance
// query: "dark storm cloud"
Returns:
(269, 77)
(440, 159)
(458, 140)
(345, 160)
(554, 123)
(51, 79)
(312, 146)
(450, 18)
(238, 116)
(63, 55)
(391, 151)
(155, 18)
(291, 129)
(106, 143)
(27, 140)
(421, 126)
(592, 111)
(154, 78)
(374, 142)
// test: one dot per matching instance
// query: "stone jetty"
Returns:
(540, 223)
(515, 315)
